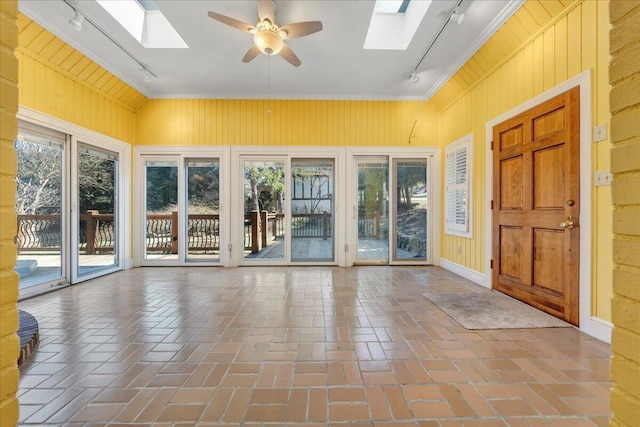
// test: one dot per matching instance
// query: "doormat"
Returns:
(492, 310)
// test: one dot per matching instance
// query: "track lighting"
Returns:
(76, 21)
(454, 15)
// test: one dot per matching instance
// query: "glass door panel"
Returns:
(161, 210)
(312, 218)
(97, 210)
(372, 210)
(203, 210)
(39, 206)
(264, 209)
(410, 216)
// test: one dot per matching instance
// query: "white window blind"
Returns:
(457, 191)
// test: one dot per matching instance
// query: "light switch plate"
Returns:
(603, 178)
(600, 133)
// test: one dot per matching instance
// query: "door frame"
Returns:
(351, 181)
(589, 324)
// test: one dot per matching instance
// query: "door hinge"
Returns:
(491, 264)
(346, 248)
(492, 205)
(491, 145)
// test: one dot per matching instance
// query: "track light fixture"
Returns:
(147, 75)
(79, 18)
(76, 21)
(456, 16)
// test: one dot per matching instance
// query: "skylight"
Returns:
(394, 23)
(145, 22)
(391, 6)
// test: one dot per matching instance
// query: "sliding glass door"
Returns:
(203, 210)
(390, 211)
(264, 191)
(181, 211)
(372, 211)
(288, 210)
(411, 199)
(98, 223)
(312, 210)
(41, 214)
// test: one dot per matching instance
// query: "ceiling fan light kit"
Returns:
(268, 38)
(268, 41)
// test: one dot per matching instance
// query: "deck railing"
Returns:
(97, 231)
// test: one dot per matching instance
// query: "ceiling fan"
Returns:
(268, 37)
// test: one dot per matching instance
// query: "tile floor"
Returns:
(300, 345)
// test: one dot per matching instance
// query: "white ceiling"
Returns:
(334, 63)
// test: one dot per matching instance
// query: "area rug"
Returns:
(492, 310)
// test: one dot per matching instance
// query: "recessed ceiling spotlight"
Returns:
(76, 21)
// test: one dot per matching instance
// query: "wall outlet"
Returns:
(459, 250)
(603, 178)
(599, 133)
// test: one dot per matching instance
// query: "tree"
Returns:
(409, 176)
(162, 188)
(204, 191)
(96, 183)
(266, 184)
(39, 179)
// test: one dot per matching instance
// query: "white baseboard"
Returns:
(597, 328)
(463, 271)
(593, 326)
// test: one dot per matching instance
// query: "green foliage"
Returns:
(266, 184)
(162, 188)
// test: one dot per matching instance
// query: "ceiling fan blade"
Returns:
(231, 22)
(251, 53)
(267, 10)
(289, 56)
(301, 29)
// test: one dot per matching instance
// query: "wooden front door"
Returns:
(536, 206)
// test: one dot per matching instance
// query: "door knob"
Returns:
(567, 224)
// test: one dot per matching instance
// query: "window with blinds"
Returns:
(457, 188)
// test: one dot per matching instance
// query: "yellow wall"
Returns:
(9, 343)
(625, 164)
(291, 122)
(574, 40)
(59, 81)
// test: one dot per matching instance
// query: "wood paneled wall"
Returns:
(576, 39)
(286, 122)
(56, 79)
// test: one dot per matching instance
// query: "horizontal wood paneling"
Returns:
(286, 122)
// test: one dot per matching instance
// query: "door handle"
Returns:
(568, 224)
